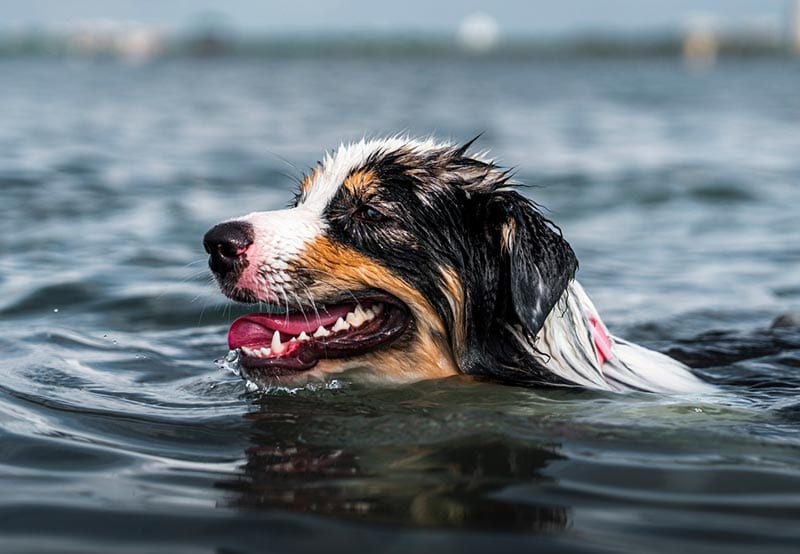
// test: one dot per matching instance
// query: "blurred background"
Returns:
(662, 137)
(507, 29)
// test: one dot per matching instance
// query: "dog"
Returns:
(402, 260)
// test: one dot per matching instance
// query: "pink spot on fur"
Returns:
(602, 342)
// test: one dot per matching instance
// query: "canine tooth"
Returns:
(340, 325)
(366, 315)
(321, 332)
(302, 336)
(277, 345)
(354, 318)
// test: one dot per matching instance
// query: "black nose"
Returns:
(226, 244)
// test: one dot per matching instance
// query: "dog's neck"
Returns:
(574, 344)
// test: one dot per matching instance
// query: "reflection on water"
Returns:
(448, 484)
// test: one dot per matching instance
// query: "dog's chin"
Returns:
(287, 346)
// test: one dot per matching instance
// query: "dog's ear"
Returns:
(524, 266)
(538, 264)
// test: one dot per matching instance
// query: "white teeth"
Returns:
(256, 352)
(340, 326)
(354, 318)
(357, 317)
(277, 345)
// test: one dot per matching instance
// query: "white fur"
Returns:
(278, 238)
(565, 346)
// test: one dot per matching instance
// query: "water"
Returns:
(119, 432)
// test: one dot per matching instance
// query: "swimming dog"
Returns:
(402, 260)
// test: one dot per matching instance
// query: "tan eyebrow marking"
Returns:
(360, 181)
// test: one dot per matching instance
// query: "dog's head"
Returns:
(405, 259)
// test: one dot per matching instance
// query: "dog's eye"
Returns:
(368, 213)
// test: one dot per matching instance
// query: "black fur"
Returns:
(444, 209)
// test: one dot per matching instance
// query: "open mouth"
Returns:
(281, 344)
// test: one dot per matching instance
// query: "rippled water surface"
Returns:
(680, 193)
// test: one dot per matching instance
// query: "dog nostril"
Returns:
(232, 249)
(226, 243)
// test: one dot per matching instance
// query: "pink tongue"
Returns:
(257, 329)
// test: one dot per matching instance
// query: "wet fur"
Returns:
(488, 279)
(445, 213)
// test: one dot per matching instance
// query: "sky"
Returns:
(520, 17)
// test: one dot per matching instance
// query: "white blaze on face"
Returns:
(280, 236)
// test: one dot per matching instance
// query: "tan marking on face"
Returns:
(454, 293)
(360, 181)
(428, 357)
(337, 268)
(508, 231)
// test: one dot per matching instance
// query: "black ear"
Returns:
(521, 266)
(538, 264)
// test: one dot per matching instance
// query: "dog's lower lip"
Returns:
(284, 344)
